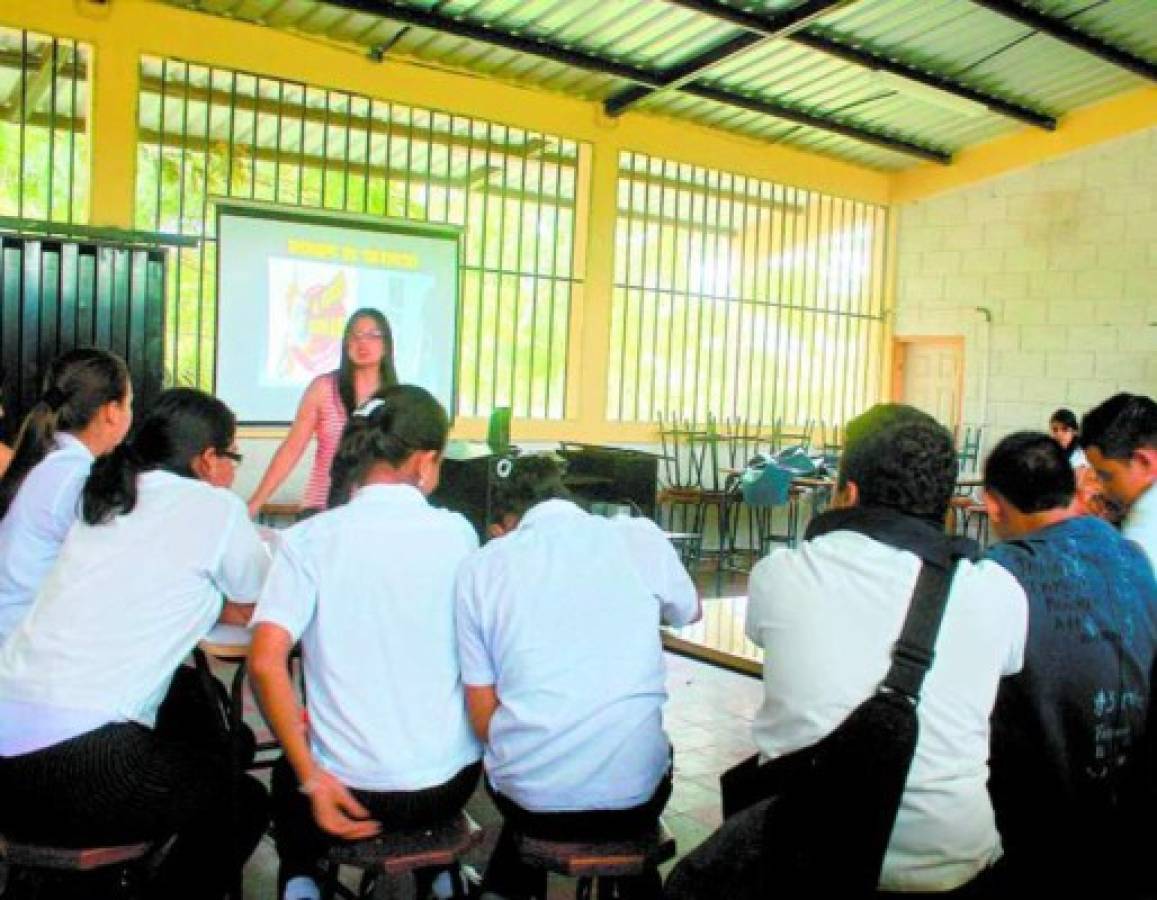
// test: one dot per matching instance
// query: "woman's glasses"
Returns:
(233, 455)
(366, 335)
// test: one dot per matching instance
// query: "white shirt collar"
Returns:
(70, 443)
(549, 509)
(392, 494)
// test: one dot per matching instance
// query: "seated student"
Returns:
(1063, 427)
(558, 631)
(1067, 728)
(828, 613)
(1120, 440)
(84, 413)
(368, 589)
(138, 582)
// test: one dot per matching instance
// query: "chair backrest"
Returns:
(683, 450)
(968, 452)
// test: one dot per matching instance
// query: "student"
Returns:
(1067, 730)
(828, 614)
(558, 631)
(138, 583)
(1120, 440)
(366, 369)
(367, 588)
(1065, 431)
(85, 412)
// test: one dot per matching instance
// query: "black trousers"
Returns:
(301, 844)
(508, 876)
(125, 783)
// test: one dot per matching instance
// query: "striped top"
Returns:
(331, 419)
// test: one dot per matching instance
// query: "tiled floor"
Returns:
(708, 718)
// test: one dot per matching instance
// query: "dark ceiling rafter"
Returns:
(761, 27)
(592, 62)
(776, 26)
(1070, 34)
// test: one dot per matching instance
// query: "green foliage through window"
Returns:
(44, 92)
(740, 299)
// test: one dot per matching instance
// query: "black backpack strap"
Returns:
(914, 650)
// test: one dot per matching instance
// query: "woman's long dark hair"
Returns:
(387, 373)
(182, 424)
(406, 420)
(77, 385)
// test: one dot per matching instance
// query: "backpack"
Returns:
(818, 821)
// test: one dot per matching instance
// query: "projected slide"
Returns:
(288, 282)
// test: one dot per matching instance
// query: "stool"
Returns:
(399, 853)
(597, 864)
(78, 860)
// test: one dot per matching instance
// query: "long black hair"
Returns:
(387, 373)
(182, 424)
(77, 385)
(405, 420)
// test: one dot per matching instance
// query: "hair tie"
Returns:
(54, 398)
(367, 409)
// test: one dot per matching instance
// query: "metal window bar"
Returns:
(739, 298)
(44, 146)
(208, 132)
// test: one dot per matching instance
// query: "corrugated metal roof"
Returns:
(954, 38)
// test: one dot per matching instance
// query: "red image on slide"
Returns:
(307, 315)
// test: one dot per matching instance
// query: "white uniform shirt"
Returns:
(44, 508)
(369, 589)
(828, 614)
(1140, 524)
(126, 603)
(562, 617)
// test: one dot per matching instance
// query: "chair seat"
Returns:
(403, 851)
(600, 858)
(71, 859)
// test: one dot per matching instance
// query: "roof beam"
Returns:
(592, 62)
(1070, 34)
(776, 26)
(814, 39)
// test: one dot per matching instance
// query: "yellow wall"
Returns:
(1081, 128)
(124, 30)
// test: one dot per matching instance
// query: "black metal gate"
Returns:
(56, 294)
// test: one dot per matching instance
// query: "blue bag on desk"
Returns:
(797, 460)
(765, 482)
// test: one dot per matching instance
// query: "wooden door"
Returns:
(928, 373)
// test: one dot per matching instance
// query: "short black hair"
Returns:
(1065, 417)
(528, 481)
(1031, 471)
(902, 459)
(1121, 425)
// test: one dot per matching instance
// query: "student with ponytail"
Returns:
(367, 588)
(88, 754)
(84, 412)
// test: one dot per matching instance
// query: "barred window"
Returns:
(206, 132)
(44, 146)
(739, 298)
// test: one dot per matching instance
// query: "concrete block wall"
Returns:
(1064, 257)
